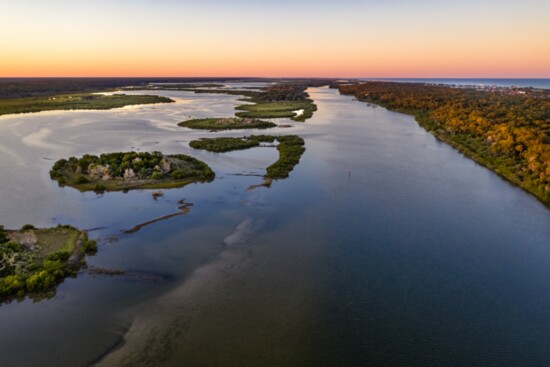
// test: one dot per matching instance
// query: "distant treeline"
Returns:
(31, 87)
(288, 91)
(507, 131)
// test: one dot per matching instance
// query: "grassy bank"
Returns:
(130, 170)
(290, 147)
(507, 131)
(216, 124)
(282, 100)
(34, 261)
(75, 102)
(279, 109)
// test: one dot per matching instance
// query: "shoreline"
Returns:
(37, 260)
(481, 142)
(121, 185)
(77, 102)
(468, 153)
(124, 171)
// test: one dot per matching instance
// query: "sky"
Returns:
(277, 38)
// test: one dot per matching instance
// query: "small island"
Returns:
(230, 123)
(81, 101)
(295, 110)
(283, 100)
(34, 260)
(286, 99)
(290, 147)
(130, 170)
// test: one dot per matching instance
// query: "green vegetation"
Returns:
(220, 145)
(290, 147)
(198, 88)
(33, 87)
(75, 102)
(215, 124)
(130, 170)
(280, 101)
(33, 261)
(507, 131)
(282, 109)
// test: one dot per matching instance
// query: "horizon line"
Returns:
(262, 77)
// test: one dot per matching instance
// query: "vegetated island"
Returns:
(34, 260)
(506, 130)
(285, 99)
(83, 101)
(130, 170)
(290, 147)
(228, 123)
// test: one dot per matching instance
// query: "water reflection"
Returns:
(384, 247)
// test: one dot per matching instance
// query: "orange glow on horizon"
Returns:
(175, 41)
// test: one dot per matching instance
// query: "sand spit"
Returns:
(244, 232)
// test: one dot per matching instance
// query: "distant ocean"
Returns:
(535, 83)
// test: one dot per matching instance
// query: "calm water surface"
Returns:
(384, 247)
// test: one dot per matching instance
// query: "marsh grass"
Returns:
(290, 147)
(216, 124)
(86, 101)
(277, 109)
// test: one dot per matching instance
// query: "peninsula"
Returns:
(290, 147)
(33, 261)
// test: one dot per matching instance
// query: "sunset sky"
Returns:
(346, 38)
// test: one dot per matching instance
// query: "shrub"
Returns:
(156, 176)
(80, 179)
(3, 234)
(11, 246)
(40, 281)
(58, 256)
(26, 227)
(89, 247)
(11, 284)
(99, 188)
(177, 174)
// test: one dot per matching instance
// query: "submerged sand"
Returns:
(243, 308)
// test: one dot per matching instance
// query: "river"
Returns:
(384, 247)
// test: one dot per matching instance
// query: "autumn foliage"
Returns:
(507, 130)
